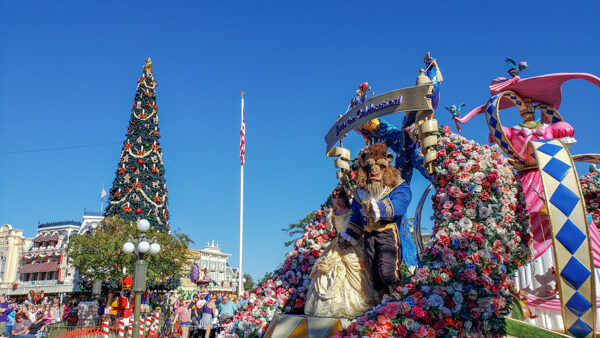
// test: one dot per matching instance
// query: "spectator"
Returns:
(209, 311)
(227, 307)
(194, 313)
(3, 308)
(183, 315)
(10, 318)
(21, 328)
(243, 302)
(73, 314)
(47, 315)
(56, 313)
(38, 325)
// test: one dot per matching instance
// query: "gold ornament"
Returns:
(148, 65)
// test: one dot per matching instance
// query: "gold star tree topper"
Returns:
(148, 65)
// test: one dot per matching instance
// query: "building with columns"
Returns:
(211, 258)
(45, 264)
(12, 246)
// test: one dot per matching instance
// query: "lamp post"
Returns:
(140, 245)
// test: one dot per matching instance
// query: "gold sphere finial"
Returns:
(340, 116)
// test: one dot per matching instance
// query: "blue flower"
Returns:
(455, 243)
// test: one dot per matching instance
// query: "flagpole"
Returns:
(101, 200)
(240, 277)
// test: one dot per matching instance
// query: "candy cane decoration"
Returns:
(148, 322)
(105, 329)
(141, 327)
(121, 328)
(130, 329)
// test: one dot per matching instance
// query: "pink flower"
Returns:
(371, 324)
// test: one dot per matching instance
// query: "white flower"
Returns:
(484, 212)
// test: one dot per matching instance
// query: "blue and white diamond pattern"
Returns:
(569, 224)
(550, 114)
(493, 120)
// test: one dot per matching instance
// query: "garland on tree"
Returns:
(139, 189)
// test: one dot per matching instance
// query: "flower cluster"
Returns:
(590, 185)
(481, 236)
(286, 291)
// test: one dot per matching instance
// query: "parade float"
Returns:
(513, 233)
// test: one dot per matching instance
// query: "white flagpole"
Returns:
(101, 200)
(240, 284)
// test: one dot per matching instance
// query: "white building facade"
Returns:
(211, 258)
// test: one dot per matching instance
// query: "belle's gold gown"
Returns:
(340, 282)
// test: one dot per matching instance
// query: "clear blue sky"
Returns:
(68, 72)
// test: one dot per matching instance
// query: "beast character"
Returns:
(380, 202)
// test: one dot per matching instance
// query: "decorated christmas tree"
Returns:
(139, 189)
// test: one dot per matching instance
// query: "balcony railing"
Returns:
(92, 213)
(39, 283)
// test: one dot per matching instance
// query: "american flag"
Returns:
(243, 135)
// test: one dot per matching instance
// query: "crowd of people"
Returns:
(26, 318)
(204, 313)
(200, 315)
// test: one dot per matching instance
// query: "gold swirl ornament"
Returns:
(428, 142)
(341, 162)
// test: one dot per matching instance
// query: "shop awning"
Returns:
(39, 267)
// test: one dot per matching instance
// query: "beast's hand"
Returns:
(367, 208)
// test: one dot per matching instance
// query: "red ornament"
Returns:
(140, 161)
(138, 211)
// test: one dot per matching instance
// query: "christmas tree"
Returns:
(139, 189)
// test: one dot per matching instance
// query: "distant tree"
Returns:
(267, 277)
(249, 283)
(99, 256)
(295, 229)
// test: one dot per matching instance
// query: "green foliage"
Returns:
(249, 283)
(517, 328)
(295, 229)
(99, 256)
(517, 310)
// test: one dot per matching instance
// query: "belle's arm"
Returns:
(507, 132)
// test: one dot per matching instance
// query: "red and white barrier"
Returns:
(121, 328)
(105, 328)
(148, 322)
(141, 328)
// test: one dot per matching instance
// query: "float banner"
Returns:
(401, 100)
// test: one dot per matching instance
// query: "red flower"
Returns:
(444, 240)
(419, 312)
(315, 253)
(299, 303)
(384, 324)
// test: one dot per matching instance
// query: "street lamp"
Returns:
(140, 245)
